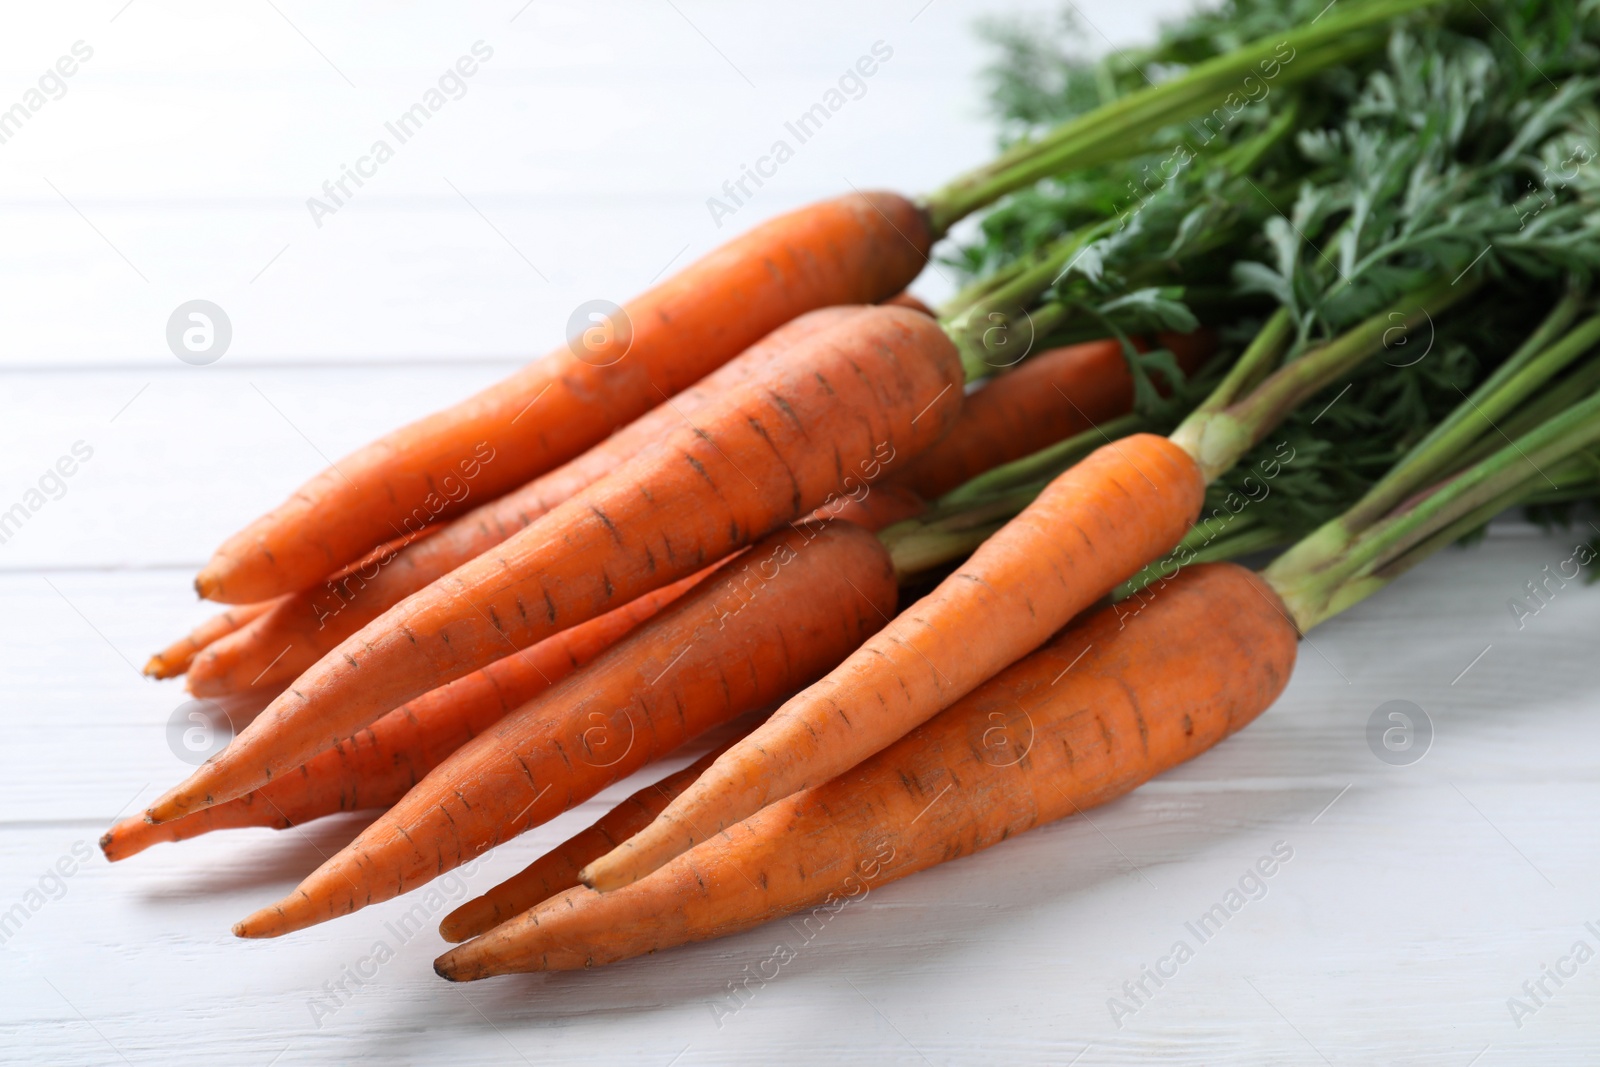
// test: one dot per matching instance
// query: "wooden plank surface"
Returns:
(1416, 902)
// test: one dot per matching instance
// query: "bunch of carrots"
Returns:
(969, 565)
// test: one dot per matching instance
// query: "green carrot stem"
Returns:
(927, 549)
(1331, 39)
(1550, 402)
(1043, 464)
(1530, 367)
(1364, 585)
(1243, 157)
(990, 323)
(1576, 476)
(1471, 432)
(1311, 595)
(1233, 546)
(1257, 361)
(949, 533)
(1576, 428)
(1218, 438)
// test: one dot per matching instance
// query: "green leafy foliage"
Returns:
(1345, 438)
(1471, 142)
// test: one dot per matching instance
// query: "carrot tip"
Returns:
(183, 798)
(460, 925)
(156, 667)
(444, 970)
(264, 923)
(603, 876)
(166, 809)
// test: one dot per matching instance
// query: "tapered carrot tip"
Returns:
(156, 667)
(130, 837)
(275, 920)
(190, 795)
(467, 963)
(634, 858)
(469, 920)
(175, 805)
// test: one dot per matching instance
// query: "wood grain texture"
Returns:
(1411, 910)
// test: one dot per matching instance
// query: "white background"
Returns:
(577, 165)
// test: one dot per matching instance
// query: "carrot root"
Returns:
(859, 248)
(378, 766)
(176, 657)
(835, 412)
(802, 600)
(277, 649)
(1098, 523)
(558, 869)
(1113, 701)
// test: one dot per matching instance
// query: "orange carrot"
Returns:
(1101, 709)
(176, 657)
(281, 646)
(833, 413)
(379, 765)
(1131, 499)
(1050, 397)
(1094, 526)
(853, 249)
(1025, 410)
(879, 507)
(558, 869)
(738, 643)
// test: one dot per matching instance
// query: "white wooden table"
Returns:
(176, 165)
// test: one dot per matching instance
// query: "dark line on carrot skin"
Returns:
(610, 526)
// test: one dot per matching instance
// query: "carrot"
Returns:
(1082, 536)
(379, 765)
(859, 248)
(1101, 709)
(879, 507)
(1130, 691)
(176, 657)
(307, 625)
(1099, 522)
(558, 869)
(1048, 398)
(738, 643)
(834, 413)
